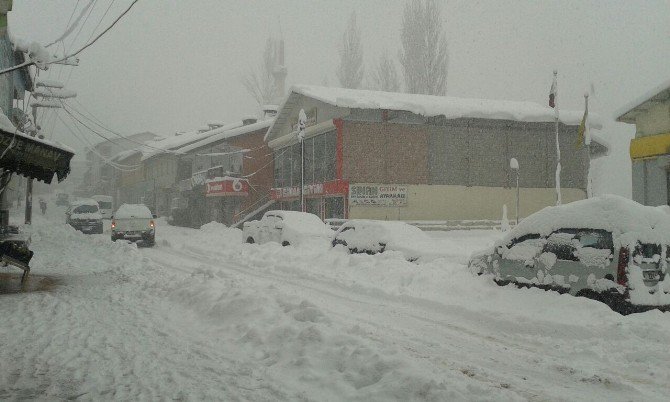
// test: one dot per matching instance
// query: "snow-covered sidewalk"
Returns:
(204, 317)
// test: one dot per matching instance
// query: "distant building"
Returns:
(650, 149)
(396, 156)
(99, 176)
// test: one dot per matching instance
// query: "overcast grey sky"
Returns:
(174, 65)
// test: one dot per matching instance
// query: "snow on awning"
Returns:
(32, 157)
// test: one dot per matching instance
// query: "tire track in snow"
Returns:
(449, 321)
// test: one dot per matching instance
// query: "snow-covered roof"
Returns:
(163, 145)
(447, 106)
(226, 135)
(659, 92)
(626, 219)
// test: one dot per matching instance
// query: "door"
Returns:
(575, 259)
(517, 261)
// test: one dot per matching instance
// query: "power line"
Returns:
(69, 28)
(29, 63)
(81, 27)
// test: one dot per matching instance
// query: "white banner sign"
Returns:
(377, 194)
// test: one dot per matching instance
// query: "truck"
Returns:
(135, 223)
(286, 228)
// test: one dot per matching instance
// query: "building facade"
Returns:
(650, 149)
(391, 156)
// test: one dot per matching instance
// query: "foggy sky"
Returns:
(174, 65)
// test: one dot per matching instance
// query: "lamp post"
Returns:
(302, 121)
(514, 165)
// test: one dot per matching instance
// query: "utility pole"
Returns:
(49, 92)
(514, 165)
(302, 122)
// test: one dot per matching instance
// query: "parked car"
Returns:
(374, 236)
(105, 205)
(84, 215)
(135, 223)
(62, 199)
(607, 248)
(286, 228)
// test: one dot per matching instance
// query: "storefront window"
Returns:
(313, 206)
(334, 208)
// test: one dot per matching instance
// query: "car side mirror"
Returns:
(499, 250)
(154, 216)
(111, 217)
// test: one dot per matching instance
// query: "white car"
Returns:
(374, 236)
(134, 222)
(84, 215)
(286, 228)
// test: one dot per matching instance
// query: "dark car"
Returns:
(84, 215)
(605, 248)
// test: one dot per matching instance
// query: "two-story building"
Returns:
(650, 149)
(224, 177)
(100, 174)
(380, 155)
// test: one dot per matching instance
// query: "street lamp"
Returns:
(302, 122)
(514, 165)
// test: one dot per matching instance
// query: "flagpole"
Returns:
(558, 147)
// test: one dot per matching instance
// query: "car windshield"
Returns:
(105, 204)
(83, 209)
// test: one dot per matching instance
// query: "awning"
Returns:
(33, 157)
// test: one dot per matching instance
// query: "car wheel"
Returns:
(285, 243)
(250, 240)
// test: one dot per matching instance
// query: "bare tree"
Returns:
(424, 56)
(350, 70)
(385, 76)
(261, 84)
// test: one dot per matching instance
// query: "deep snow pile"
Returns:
(205, 317)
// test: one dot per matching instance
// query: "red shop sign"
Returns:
(227, 187)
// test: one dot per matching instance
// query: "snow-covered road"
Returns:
(204, 317)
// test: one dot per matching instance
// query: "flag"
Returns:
(583, 136)
(552, 93)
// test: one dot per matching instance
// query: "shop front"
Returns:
(224, 197)
(326, 200)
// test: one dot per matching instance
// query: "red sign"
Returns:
(227, 187)
(335, 187)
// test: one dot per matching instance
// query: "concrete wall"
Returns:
(385, 153)
(446, 202)
(476, 152)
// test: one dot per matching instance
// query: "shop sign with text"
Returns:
(227, 187)
(377, 194)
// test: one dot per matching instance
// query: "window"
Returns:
(566, 242)
(334, 208)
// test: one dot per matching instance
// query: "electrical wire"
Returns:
(91, 148)
(30, 62)
(92, 3)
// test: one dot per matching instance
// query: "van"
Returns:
(105, 202)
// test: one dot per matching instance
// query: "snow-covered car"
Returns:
(134, 222)
(375, 236)
(84, 215)
(286, 228)
(606, 248)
